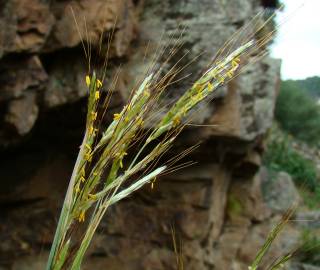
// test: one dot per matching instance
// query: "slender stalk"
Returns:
(63, 219)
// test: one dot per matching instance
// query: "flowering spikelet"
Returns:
(116, 116)
(81, 217)
(146, 93)
(94, 115)
(176, 121)
(92, 196)
(210, 87)
(83, 171)
(92, 131)
(88, 80)
(88, 157)
(99, 180)
(77, 189)
(99, 83)
(140, 121)
(235, 62)
(97, 95)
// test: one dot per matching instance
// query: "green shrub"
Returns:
(280, 156)
(311, 199)
(311, 85)
(310, 249)
(298, 113)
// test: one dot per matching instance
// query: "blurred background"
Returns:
(259, 152)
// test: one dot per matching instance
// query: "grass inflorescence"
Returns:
(116, 160)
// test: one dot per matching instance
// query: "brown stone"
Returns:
(8, 27)
(34, 23)
(88, 20)
(245, 200)
(226, 120)
(22, 113)
(21, 74)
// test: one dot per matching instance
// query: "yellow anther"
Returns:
(99, 83)
(116, 116)
(88, 80)
(146, 93)
(140, 121)
(126, 119)
(93, 130)
(95, 173)
(235, 63)
(81, 216)
(97, 95)
(77, 189)
(199, 87)
(88, 147)
(88, 157)
(210, 87)
(176, 121)
(83, 172)
(121, 164)
(82, 179)
(92, 196)
(200, 96)
(221, 79)
(94, 115)
(230, 73)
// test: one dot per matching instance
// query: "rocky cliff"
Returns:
(216, 206)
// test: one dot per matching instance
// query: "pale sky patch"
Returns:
(298, 41)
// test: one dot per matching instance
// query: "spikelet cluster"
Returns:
(109, 169)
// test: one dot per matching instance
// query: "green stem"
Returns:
(63, 219)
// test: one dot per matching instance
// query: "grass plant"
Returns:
(115, 161)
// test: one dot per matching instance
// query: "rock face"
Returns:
(216, 207)
(280, 192)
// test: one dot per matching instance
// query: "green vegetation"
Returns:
(298, 112)
(310, 85)
(280, 156)
(310, 249)
(311, 199)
